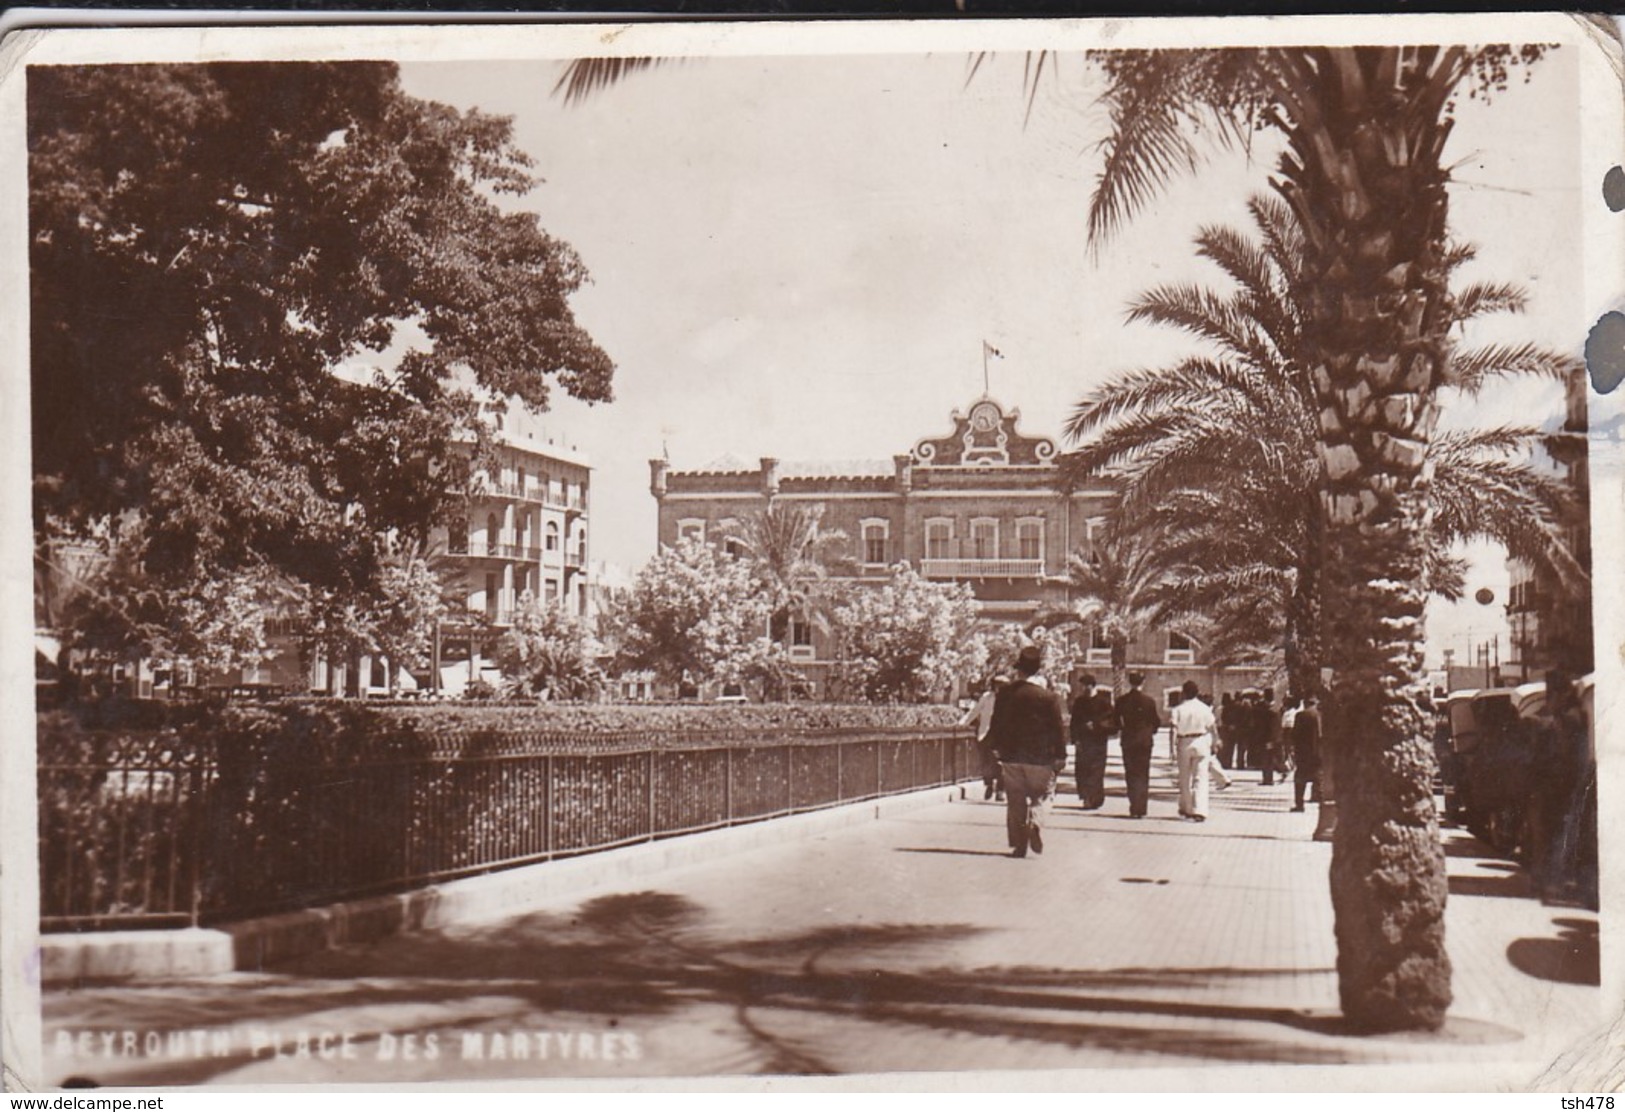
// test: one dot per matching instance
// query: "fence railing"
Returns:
(154, 829)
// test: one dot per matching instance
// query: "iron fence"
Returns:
(164, 828)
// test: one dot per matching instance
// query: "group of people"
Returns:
(1023, 743)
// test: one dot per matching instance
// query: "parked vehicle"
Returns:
(1494, 766)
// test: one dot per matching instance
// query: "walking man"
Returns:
(1093, 721)
(1268, 735)
(1137, 725)
(1027, 735)
(1193, 734)
(1305, 750)
(982, 715)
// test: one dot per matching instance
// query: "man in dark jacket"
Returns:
(1137, 722)
(1026, 734)
(1093, 722)
(1306, 751)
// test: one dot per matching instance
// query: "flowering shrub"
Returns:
(906, 641)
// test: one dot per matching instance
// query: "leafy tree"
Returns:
(548, 651)
(691, 610)
(903, 642)
(209, 243)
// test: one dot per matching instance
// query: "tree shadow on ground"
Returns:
(1470, 848)
(655, 955)
(1511, 886)
(1574, 957)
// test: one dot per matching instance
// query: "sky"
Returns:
(801, 257)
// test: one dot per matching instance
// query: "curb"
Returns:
(255, 943)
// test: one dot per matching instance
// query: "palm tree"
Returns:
(788, 546)
(1364, 129)
(1119, 590)
(1218, 456)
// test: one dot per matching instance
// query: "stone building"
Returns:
(1550, 614)
(980, 503)
(526, 531)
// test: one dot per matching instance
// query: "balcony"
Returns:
(501, 550)
(982, 569)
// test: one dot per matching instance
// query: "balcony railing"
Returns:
(531, 492)
(503, 550)
(982, 569)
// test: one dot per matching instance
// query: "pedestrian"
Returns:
(1193, 723)
(1306, 751)
(1556, 801)
(1137, 724)
(1027, 735)
(1093, 721)
(1267, 730)
(1228, 729)
(982, 715)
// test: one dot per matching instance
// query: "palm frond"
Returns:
(1484, 298)
(583, 77)
(1158, 102)
(1472, 368)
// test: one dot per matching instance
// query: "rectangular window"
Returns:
(490, 594)
(938, 538)
(800, 633)
(984, 539)
(874, 544)
(1030, 540)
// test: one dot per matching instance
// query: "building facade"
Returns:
(526, 531)
(981, 504)
(1550, 613)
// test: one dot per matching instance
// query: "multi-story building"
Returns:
(525, 531)
(981, 504)
(1550, 612)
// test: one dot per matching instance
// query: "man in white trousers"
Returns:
(1193, 724)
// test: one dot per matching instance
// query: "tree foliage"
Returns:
(548, 651)
(1218, 456)
(904, 641)
(691, 611)
(209, 243)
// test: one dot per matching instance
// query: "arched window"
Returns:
(493, 534)
(552, 536)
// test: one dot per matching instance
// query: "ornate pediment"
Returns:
(984, 437)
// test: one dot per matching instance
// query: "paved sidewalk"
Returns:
(910, 943)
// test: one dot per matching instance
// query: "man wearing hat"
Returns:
(1027, 735)
(1094, 718)
(1138, 721)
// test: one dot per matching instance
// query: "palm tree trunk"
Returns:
(1363, 174)
(1304, 650)
(1119, 666)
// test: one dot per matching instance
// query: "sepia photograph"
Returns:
(950, 554)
